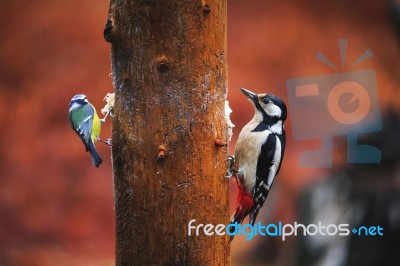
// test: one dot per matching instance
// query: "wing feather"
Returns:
(265, 162)
(81, 123)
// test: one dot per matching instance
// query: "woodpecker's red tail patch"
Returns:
(244, 207)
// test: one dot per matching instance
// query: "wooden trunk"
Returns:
(170, 77)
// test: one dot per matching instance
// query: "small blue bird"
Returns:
(85, 122)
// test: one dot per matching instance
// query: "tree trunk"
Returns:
(170, 78)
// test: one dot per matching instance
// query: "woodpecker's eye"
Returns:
(265, 100)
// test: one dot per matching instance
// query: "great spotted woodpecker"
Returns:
(258, 155)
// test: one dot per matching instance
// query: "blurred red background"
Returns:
(56, 208)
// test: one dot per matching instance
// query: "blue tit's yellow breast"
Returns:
(96, 126)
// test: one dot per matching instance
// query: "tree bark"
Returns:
(170, 77)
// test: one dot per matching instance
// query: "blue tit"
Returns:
(85, 122)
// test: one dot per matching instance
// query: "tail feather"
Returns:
(258, 204)
(237, 218)
(253, 216)
(96, 159)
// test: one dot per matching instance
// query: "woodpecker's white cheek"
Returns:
(273, 110)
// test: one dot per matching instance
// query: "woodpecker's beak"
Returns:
(251, 95)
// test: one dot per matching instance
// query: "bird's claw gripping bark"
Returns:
(230, 171)
(108, 141)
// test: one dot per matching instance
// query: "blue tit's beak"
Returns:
(251, 95)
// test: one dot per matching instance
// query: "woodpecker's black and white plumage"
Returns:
(258, 154)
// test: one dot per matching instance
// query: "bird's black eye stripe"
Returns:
(265, 100)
